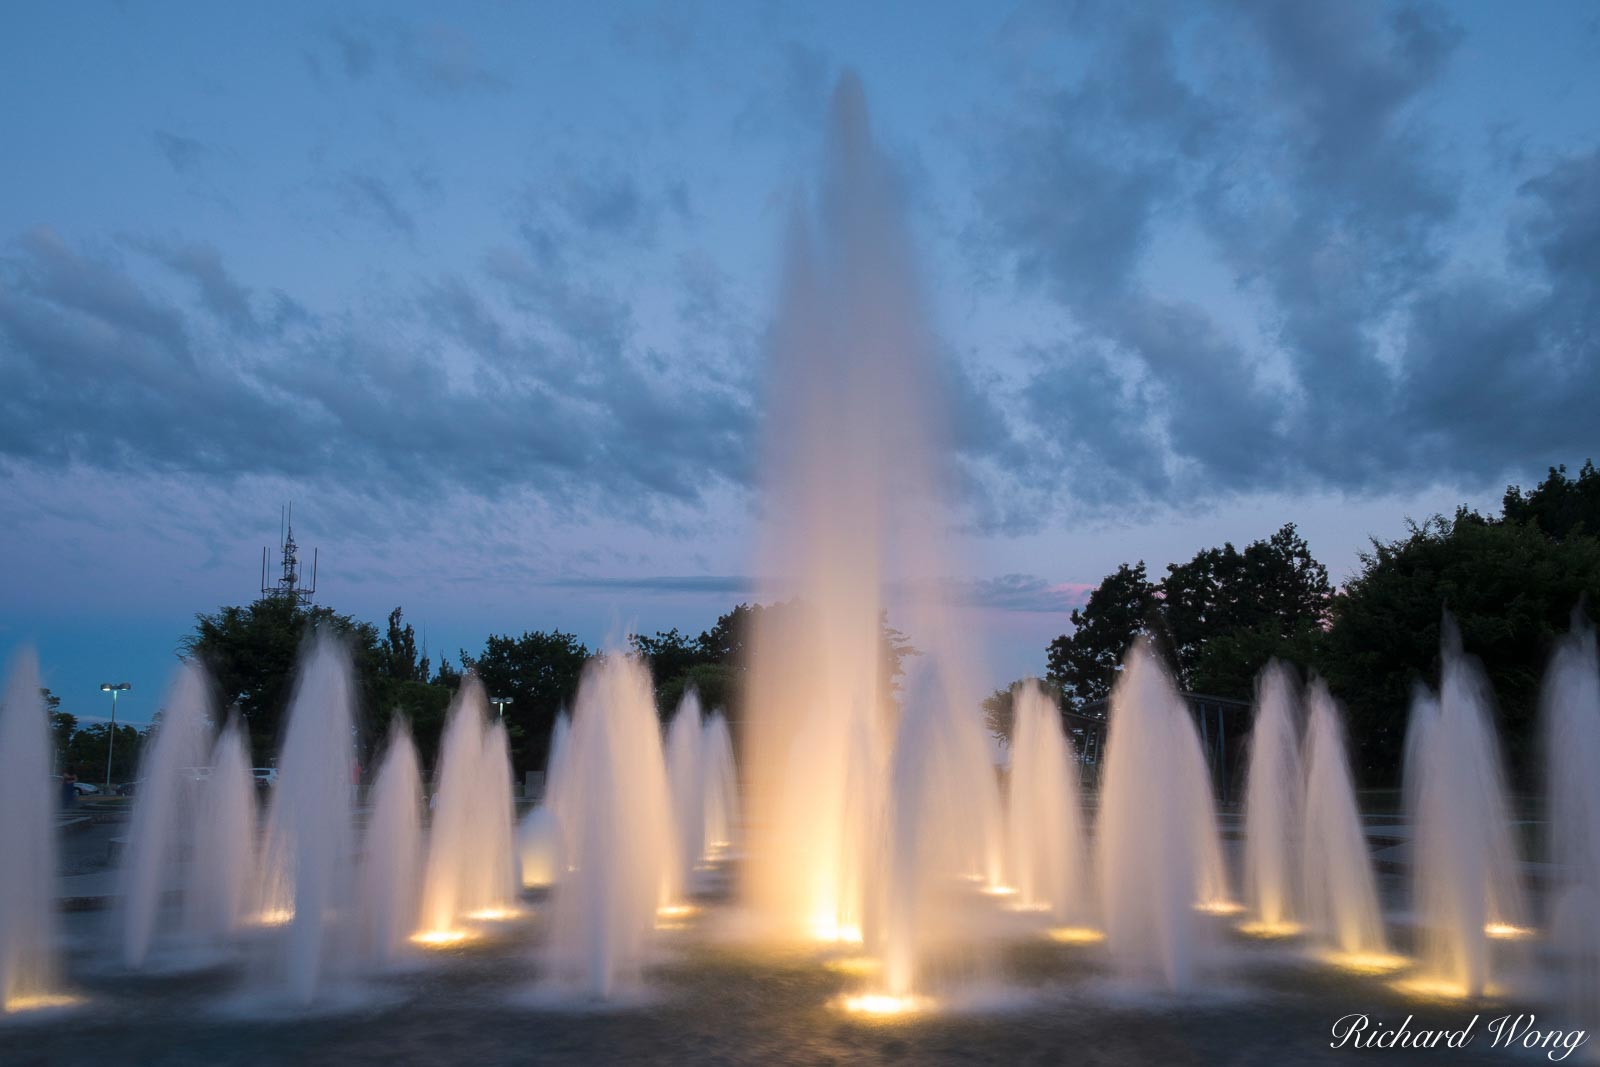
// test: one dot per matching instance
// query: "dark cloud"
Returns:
(369, 196)
(433, 56)
(1285, 150)
(550, 397)
(185, 154)
(719, 585)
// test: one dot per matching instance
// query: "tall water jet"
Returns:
(616, 809)
(1570, 711)
(721, 778)
(470, 841)
(1341, 908)
(1156, 841)
(855, 464)
(216, 893)
(496, 893)
(28, 963)
(685, 778)
(1273, 804)
(1047, 856)
(945, 830)
(391, 857)
(1464, 863)
(164, 830)
(539, 837)
(309, 850)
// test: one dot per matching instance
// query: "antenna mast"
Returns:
(288, 582)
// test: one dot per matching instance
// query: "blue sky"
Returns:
(483, 291)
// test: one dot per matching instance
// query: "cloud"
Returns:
(184, 154)
(448, 391)
(367, 195)
(436, 57)
(719, 585)
(1249, 224)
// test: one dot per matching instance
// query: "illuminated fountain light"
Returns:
(1364, 962)
(1075, 935)
(1219, 906)
(1507, 931)
(440, 938)
(1270, 931)
(1426, 987)
(40, 1002)
(828, 930)
(273, 917)
(493, 915)
(999, 890)
(884, 1005)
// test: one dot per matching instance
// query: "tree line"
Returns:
(1512, 581)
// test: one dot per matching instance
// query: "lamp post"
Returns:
(111, 738)
(500, 704)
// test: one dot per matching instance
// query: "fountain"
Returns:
(540, 835)
(856, 465)
(614, 808)
(721, 777)
(28, 940)
(1158, 855)
(686, 779)
(1273, 805)
(1570, 711)
(1049, 862)
(1464, 865)
(193, 830)
(470, 849)
(945, 832)
(221, 876)
(309, 851)
(391, 860)
(1341, 897)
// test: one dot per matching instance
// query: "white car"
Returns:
(86, 788)
(265, 775)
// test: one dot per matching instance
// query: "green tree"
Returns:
(62, 723)
(1084, 663)
(399, 648)
(1227, 612)
(539, 671)
(251, 652)
(87, 750)
(1511, 589)
(1560, 506)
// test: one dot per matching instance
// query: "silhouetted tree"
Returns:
(539, 671)
(1559, 505)
(1084, 663)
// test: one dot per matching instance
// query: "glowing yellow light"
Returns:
(856, 966)
(675, 911)
(1364, 962)
(1270, 931)
(1507, 932)
(274, 917)
(1076, 935)
(999, 890)
(1219, 907)
(1439, 989)
(41, 1002)
(493, 915)
(535, 881)
(439, 938)
(881, 1005)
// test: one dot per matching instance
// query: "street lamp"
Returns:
(500, 705)
(111, 738)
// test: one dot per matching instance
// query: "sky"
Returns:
(484, 291)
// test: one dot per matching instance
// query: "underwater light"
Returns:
(1507, 932)
(1425, 988)
(882, 1005)
(493, 915)
(273, 917)
(1270, 930)
(856, 966)
(1219, 907)
(1364, 962)
(439, 938)
(40, 1002)
(1075, 935)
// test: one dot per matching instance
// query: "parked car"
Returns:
(86, 788)
(127, 789)
(265, 775)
